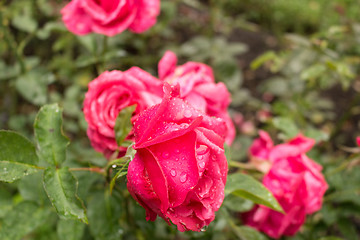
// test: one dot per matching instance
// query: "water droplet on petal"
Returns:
(113, 166)
(213, 157)
(202, 164)
(173, 172)
(183, 177)
(204, 229)
(187, 113)
(165, 154)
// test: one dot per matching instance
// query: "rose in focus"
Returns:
(107, 95)
(198, 88)
(110, 17)
(294, 179)
(179, 170)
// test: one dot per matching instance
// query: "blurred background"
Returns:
(291, 66)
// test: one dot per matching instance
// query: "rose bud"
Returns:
(198, 88)
(107, 95)
(110, 17)
(179, 170)
(295, 181)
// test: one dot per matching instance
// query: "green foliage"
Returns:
(22, 219)
(61, 187)
(245, 186)
(11, 171)
(49, 136)
(123, 124)
(296, 60)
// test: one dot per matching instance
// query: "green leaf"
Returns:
(286, 125)
(25, 23)
(5, 201)
(31, 189)
(124, 163)
(16, 148)
(70, 229)
(247, 187)
(313, 72)
(262, 59)
(104, 212)
(61, 188)
(123, 124)
(21, 220)
(316, 134)
(33, 85)
(49, 135)
(236, 204)
(248, 233)
(11, 171)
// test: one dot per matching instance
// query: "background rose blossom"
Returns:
(107, 95)
(179, 170)
(294, 179)
(198, 87)
(110, 17)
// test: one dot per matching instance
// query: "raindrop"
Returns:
(177, 151)
(173, 172)
(213, 157)
(165, 154)
(113, 166)
(183, 177)
(200, 157)
(187, 113)
(202, 164)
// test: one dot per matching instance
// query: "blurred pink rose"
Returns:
(110, 17)
(107, 95)
(179, 170)
(358, 141)
(294, 179)
(198, 87)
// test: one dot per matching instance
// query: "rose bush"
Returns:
(110, 17)
(107, 95)
(179, 170)
(294, 179)
(198, 87)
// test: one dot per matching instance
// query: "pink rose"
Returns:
(110, 17)
(107, 95)
(179, 170)
(358, 141)
(198, 87)
(294, 179)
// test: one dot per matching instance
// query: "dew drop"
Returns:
(200, 157)
(173, 172)
(202, 164)
(203, 229)
(183, 177)
(213, 157)
(165, 154)
(187, 113)
(177, 151)
(113, 166)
